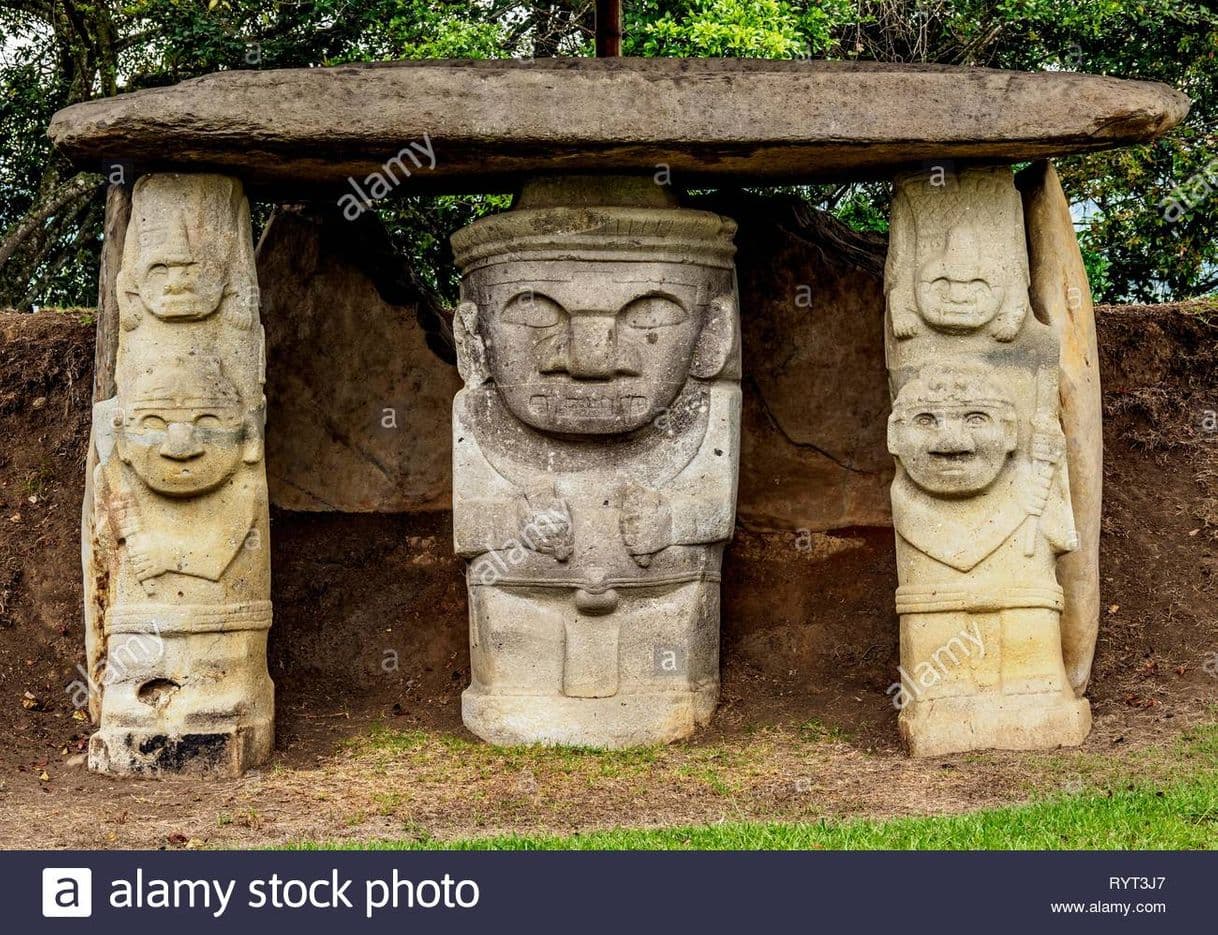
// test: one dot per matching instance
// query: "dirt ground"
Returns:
(369, 650)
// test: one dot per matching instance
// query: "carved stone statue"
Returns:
(595, 448)
(957, 262)
(981, 498)
(178, 567)
(189, 252)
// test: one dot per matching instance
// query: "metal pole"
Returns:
(608, 28)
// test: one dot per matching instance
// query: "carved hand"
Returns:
(903, 310)
(1034, 494)
(545, 522)
(645, 522)
(1048, 440)
(147, 559)
(1010, 319)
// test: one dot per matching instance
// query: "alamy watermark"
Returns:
(135, 652)
(1195, 191)
(379, 184)
(929, 673)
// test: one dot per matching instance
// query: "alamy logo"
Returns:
(67, 892)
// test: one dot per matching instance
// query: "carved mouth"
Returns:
(184, 304)
(951, 463)
(588, 406)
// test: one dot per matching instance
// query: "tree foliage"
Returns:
(1137, 244)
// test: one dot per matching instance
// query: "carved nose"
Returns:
(953, 439)
(959, 291)
(592, 347)
(178, 281)
(180, 442)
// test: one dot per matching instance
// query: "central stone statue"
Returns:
(595, 450)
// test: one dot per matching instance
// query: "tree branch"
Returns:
(78, 187)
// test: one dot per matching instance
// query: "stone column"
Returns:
(177, 565)
(595, 448)
(981, 498)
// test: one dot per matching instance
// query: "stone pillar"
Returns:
(177, 566)
(595, 448)
(1061, 296)
(981, 498)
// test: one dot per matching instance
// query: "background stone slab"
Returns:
(813, 451)
(358, 403)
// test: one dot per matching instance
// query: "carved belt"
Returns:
(597, 595)
(929, 599)
(600, 584)
(189, 618)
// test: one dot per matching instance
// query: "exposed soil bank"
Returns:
(370, 630)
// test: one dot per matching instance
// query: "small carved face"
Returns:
(593, 348)
(183, 431)
(960, 290)
(173, 280)
(952, 449)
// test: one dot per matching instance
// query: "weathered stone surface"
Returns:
(1061, 295)
(105, 353)
(981, 498)
(359, 404)
(704, 119)
(595, 447)
(178, 560)
(118, 216)
(813, 454)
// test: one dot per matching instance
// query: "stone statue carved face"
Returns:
(183, 430)
(188, 251)
(957, 258)
(953, 431)
(580, 347)
(960, 288)
(174, 279)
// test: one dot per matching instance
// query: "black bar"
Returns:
(620, 892)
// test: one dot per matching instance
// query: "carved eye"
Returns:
(158, 269)
(208, 421)
(653, 311)
(925, 420)
(152, 424)
(976, 419)
(533, 310)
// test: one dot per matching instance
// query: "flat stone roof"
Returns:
(488, 123)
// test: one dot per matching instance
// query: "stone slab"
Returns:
(813, 451)
(358, 403)
(1061, 295)
(489, 122)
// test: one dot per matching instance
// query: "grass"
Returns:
(1161, 796)
(815, 731)
(1182, 816)
(383, 744)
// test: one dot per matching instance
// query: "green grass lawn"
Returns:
(1179, 816)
